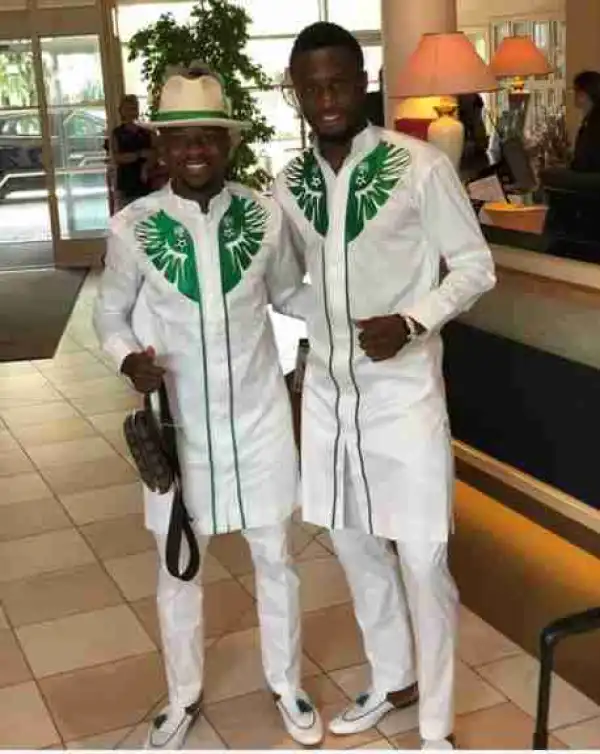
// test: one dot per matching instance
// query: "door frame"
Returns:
(34, 24)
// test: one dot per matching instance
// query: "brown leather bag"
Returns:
(152, 444)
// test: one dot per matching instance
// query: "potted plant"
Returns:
(216, 34)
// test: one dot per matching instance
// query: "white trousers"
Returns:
(181, 618)
(386, 607)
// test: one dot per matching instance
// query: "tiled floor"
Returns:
(79, 659)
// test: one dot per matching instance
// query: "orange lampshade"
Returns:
(518, 56)
(444, 65)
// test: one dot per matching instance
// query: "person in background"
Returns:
(375, 104)
(133, 153)
(375, 212)
(475, 152)
(586, 158)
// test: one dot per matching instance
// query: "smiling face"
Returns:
(331, 88)
(197, 157)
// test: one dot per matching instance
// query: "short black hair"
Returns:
(588, 82)
(129, 99)
(323, 34)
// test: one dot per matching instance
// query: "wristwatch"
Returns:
(411, 328)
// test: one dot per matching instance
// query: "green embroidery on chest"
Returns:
(306, 183)
(169, 246)
(241, 233)
(371, 184)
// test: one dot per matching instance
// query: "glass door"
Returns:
(26, 238)
(77, 130)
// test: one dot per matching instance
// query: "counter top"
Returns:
(568, 271)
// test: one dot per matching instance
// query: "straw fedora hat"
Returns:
(194, 96)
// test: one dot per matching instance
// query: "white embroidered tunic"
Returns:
(197, 288)
(376, 447)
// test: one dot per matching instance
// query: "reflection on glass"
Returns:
(364, 15)
(72, 70)
(82, 203)
(24, 212)
(77, 120)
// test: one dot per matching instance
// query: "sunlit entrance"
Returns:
(54, 206)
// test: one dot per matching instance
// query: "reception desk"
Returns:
(523, 379)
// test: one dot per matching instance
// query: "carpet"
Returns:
(26, 256)
(35, 306)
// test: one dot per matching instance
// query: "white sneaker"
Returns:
(169, 729)
(369, 709)
(446, 744)
(301, 719)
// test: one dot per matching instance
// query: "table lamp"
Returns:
(517, 58)
(445, 65)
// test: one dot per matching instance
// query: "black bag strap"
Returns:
(180, 526)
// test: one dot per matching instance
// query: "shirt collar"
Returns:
(217, 205)
(362, 143)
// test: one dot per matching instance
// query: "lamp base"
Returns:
(518, 105)
(448, 135)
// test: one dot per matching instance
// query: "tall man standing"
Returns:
(376, 213)
(190, 272)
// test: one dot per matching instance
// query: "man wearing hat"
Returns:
(190, 272)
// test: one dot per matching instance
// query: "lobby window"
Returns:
(373, 63)
(272, 33)
(357, 15)
(272, 19)
(132, 17)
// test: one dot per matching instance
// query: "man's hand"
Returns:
(382, 338)
(142, 371)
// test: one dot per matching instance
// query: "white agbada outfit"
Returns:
(197, 287)
(376, 453)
